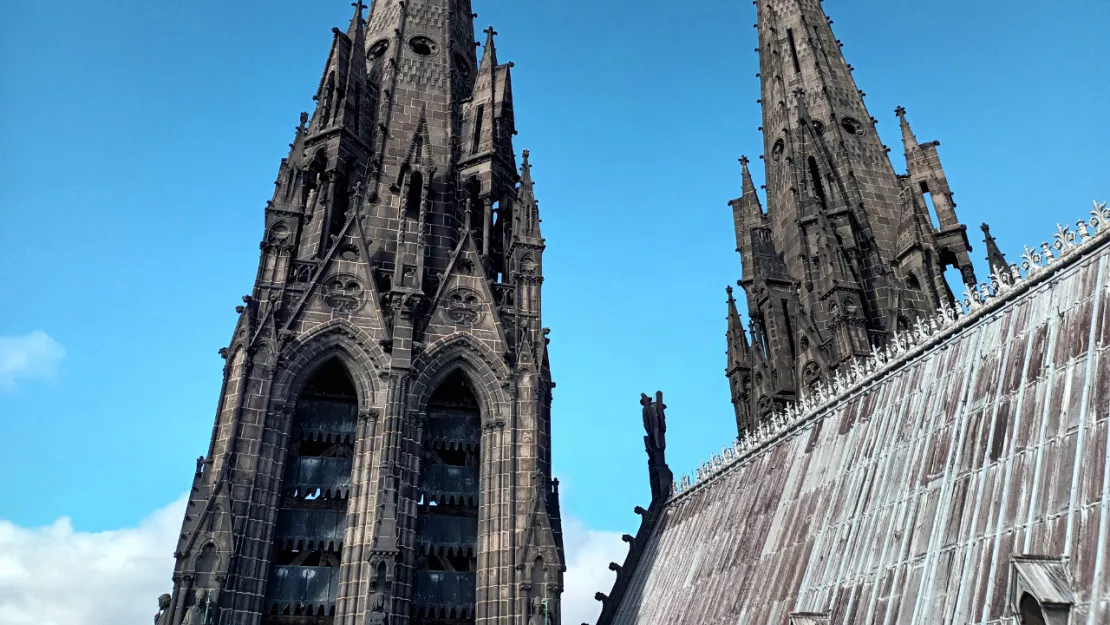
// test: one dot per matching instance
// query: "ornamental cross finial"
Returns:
(744, 161)
(900, 111)
(490, 31)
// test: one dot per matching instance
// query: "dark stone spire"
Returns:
(996, 260)
(843, 252)
(739, 364)
(396, 314)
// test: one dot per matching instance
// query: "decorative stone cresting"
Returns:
(1036, 263)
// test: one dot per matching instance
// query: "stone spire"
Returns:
(395, 323)
(526, 213)
(356, 30)
(747, 213)
(909, 140)
(996, 260)
(927, 184)
(739, 365)
(839, 259)
(489, 52)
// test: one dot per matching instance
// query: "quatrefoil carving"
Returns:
(463, 307)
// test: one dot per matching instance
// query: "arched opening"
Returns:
(538, 583)
(315, 184)
(913, 282)
(312, 513)
(815, 179)
(328, 101)
(358, 107)
(476, 137)
(337, 211)
(931, 207)
(1031, 613)
(378, 589)
(447, 506)
(206, 567)
(206, 560)
(416, 191)
(500, 237)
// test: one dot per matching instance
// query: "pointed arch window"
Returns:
(337, 211)
(448, 491)
(328, 102)
(478, 120)
(913, 282)
(312, 510)
(358, 107)
(1031, 613)
(206, 559)
(538, 586)
(793, 50)
(815, 179)
(415, 194)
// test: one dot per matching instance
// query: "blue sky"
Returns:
(142, 140)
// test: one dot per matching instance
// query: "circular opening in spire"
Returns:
(818, 127)
(423, 46)
(851, 126)
(378, 50)
(777, 149)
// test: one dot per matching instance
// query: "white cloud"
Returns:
(55, 576)
(32, 356)
(588, 553)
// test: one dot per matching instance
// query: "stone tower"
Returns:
(382, 445)
(848, 250)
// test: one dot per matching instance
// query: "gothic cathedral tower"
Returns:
(848, 251)
(382, 445)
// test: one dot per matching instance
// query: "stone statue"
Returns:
(377, 614)
(655, 443)
(377, 602)
(310, 201)
(197, 614)
(537, 617)
(655, 421)
(163, 617)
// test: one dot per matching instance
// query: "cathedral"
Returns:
(848, 250)
(906, 452)
(382, 448)
(904, 455)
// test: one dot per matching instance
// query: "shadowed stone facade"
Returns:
(382, 446)
(848, 251)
